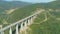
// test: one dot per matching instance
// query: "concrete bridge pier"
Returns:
(17, 29)
(1, 29)
(29, 22)
(25, 24)
(22, 26)
(25, 27)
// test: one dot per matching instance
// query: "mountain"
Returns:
(12, 4)
(50, 5)
(18, 14)
(53, 5)
(47, 22)
(8, 6)
(25, 11)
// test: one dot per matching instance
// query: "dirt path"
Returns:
(58, 19)
(46, 18)
(10, 11)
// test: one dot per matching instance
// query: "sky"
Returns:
(34, 1)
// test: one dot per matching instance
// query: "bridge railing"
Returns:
(22, 23)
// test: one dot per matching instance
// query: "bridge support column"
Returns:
(17, 29)
(29, 22)
(25, 27)
(10, 31)
(1, 28)
(21, 26)
(25, 24)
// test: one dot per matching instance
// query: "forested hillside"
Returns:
(9, 6)
(53, 5)
(20, 12)
(6, 5)
(47, 22)
(12, 4)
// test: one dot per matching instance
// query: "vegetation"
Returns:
(50, 26)
(4, 5)
(12, 4)
(20, 12)
(46, 22)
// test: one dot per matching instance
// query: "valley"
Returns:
(47, 22)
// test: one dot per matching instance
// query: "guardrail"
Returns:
(22, 23)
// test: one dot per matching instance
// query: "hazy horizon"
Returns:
(33, 1)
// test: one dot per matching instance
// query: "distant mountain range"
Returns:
(12, 4)
(52, 5)
(6, 5)
(18, 4)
